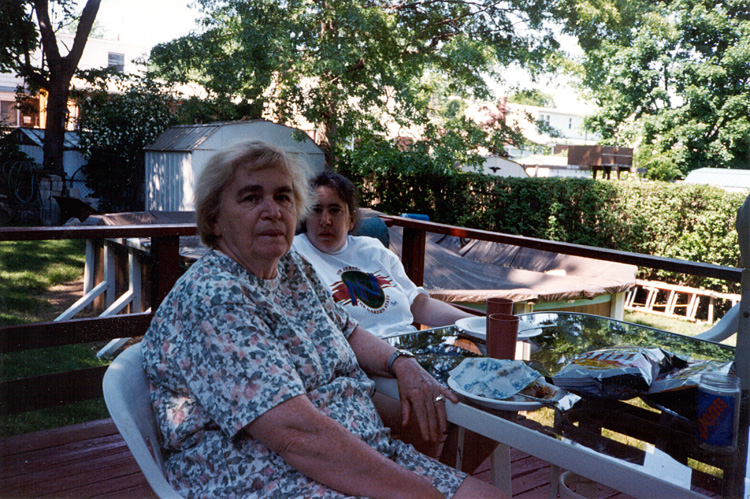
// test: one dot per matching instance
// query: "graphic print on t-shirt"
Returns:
(360, 288)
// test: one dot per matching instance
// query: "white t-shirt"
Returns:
(368, 279)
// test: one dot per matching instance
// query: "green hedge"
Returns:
(689, 222)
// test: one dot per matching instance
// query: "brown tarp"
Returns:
(471, 271)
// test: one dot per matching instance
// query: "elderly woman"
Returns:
(363, 275)
(259, 380)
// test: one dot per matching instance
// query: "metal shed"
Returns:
(176, 159)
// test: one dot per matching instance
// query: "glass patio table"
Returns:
(644, 447)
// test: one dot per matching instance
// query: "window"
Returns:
(8, 113)
(570, 123)
(117, 61)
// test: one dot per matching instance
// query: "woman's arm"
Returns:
(325, 451)
(433, 313)
(417, 389)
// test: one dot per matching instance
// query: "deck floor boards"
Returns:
(90, 460)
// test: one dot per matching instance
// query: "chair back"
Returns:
(128, 400)
(374, 227)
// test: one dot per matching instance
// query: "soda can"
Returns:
(718, 410)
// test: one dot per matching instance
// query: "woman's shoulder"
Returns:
(366, 242)
(369, 247)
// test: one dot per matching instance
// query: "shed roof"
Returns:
(35, 137)
(185, 138)
(720, 177)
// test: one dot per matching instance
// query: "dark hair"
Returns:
(346, 190)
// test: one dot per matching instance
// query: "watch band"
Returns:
(395, 355)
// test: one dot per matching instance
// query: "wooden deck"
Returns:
(91, 460)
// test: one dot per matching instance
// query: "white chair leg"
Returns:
(554, 481)
(501, 473)
(460, 447)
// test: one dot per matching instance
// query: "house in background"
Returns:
(98, 53)
(730, 180)
(569, 124)
(177, 157)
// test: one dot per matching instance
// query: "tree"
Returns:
(532, 97)
(354, 68)
(670, 78)
(20, 37)
(114, 129)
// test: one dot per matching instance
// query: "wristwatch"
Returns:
(395, 355)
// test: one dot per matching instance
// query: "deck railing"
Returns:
(40, 392)
(57, 389)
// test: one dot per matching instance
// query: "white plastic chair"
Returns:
(126, 394)
(584, 488)
(726, 326)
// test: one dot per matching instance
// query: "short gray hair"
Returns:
(249, 155)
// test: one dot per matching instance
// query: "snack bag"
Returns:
(615, 373)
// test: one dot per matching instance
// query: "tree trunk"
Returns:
(54, 135)
(328, 128)
(57, 84)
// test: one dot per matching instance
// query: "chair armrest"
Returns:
(386, 386)
(725, 328)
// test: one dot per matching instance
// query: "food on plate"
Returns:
(541, 390)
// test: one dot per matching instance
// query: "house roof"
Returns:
(720, 177)
(35, 137)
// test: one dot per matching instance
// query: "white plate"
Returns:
(477, 327)
(510, 404)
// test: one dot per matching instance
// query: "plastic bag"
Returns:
(616, 373)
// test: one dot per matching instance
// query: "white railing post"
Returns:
(132, 296)
(90, 269)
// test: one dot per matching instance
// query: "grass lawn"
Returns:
(28, 269)
(669, 324)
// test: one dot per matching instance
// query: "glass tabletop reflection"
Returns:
(660, 427)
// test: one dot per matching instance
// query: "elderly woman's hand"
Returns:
(423, 398)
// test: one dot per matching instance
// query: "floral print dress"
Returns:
(225, 347)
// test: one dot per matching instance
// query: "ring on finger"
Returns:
(439, 398)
